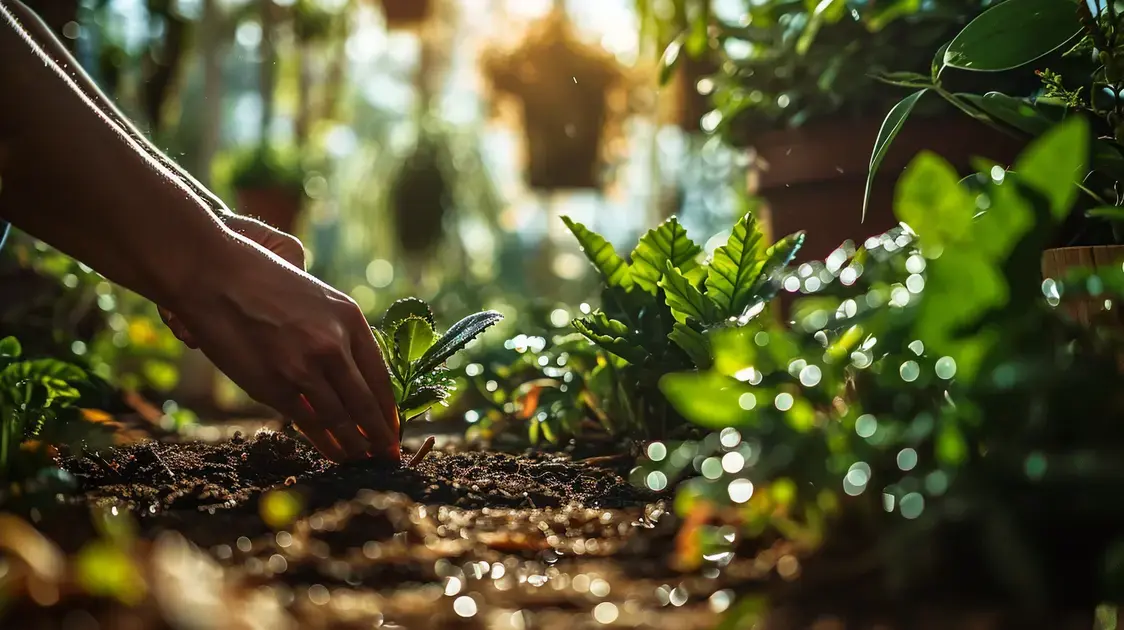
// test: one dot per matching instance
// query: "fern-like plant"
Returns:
(40, 400)
(659, 308)
(416, 353)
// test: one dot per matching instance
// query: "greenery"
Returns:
(928, 385)
(659, 310)
(788, 62)
(264, 166)
(41, 403)
(1038, 34)
(415, 353)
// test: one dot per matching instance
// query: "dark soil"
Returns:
(466, 539)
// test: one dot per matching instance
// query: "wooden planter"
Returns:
(1057, 262)
(406, 13)
(815, 177)
(278, 207)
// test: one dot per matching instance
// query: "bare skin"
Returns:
(237, 288)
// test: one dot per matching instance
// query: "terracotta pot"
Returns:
(278, 207)
(406, 13)
(815, 176)
(1057, 262)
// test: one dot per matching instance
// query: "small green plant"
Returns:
(41, 401)
(260, 167)
(659, 309)
(416, 353)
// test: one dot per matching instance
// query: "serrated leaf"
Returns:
(400, 310)
(413, 336)
(694, 343)
(684, 298)
(455, 339)
(891, 126)
(613, 269)
(422, 400)
(734, 268)
(386, 347)
(665, 243)
(777, 259)
(612, 336)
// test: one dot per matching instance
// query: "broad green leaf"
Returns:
(1013, 33)
(734, 268)
(1032, 118)
(612, 336)
(413, 336)
(10, 348)
(400, 310)
(684, 299)
(694, 343)
(613, 269)
(930, 200)
(891, 126)
(776, 261)
(666, 243)
(707, 399)
(1055, 163)
(455, 339)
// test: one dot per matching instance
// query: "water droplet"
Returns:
(910, 371)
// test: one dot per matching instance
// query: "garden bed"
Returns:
(463, 539)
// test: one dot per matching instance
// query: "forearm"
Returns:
(97, 195)
(42, 35)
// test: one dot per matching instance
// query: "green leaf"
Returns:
(734, 268)
(891, 126)
(400, 310)
(613, 269)
(937, 66)
(1110, 213)
(671, 57)
(694, 343)
(930, 200)
(10, 348)
(776, 261)
(1055, 163)
(455, 339)
(1029, 117)
(904, 79)
(422, 400)
(707, 399)
(413, 336)
(386, 347)
(666, 243)
(952, 450)
(612, 336)
(1013, 33)
(684, 299)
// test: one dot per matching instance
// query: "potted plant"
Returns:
(1077, 59)
(796, 85)
(268, 184)
(561, 85)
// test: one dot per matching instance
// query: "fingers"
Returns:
(372, 368)
(305, 419)
(178, 329)
(361, 403)
(332, 416)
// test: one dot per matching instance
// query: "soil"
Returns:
(466, 539)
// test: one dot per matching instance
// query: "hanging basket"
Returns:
(406, 13)
(561, 86)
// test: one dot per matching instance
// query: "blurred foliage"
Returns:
(928, 395)
(263, 166)
(787, 63)
(1038, 34)
(41, 406)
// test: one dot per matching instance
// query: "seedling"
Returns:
(416, 354)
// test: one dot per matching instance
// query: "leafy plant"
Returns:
(40, 403)
(1037, 34)
(416, 353)
(785, 63)
(659, 309)
(263, 166)
(929, 396)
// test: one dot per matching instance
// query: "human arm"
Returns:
(79, 182)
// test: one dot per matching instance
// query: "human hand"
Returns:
(293, 343)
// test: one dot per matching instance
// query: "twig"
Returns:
(162, 463)
(426, 447)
